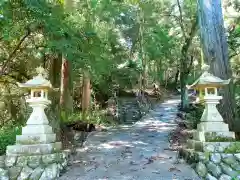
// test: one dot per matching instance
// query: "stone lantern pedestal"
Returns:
(36, 154)
(211, 130)
(37, 130)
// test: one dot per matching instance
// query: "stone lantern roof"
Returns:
(208, 80)
(38, 82)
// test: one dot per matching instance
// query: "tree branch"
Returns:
(185, 48)
(15, 50)
(181, 19)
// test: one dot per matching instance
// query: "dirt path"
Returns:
(134, 152)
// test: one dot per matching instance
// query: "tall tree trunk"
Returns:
(143, 74)
(66, 99)
(55, 72)
(86, 95)
(176, 77)
(184, 92)
(64, 82)
(55, 78)
(160, 72)
(215, 50)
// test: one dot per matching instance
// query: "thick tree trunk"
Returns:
(66, 99)
(86, 95)
(160, 72)
(55, 76)
(55, 72)
(64, 83)
(215, 51)
(183, 80)
(144, 75)
(184, 92)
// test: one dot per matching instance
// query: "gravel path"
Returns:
(134, 152)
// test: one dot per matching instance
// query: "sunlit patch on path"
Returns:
(136, 152)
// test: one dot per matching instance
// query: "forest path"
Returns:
(133, 152)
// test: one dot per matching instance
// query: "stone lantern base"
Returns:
(213, 151)
(35, 156)
(35, 166)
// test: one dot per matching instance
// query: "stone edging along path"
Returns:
(132, 152)
(214, 165)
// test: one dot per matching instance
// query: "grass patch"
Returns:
(233, 148)
(8, 137)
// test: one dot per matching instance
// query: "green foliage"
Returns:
(237, 177)
(94, 117)
(221, 139)
(233, 148)
(96, 36)
(8, 137)
(194, 116)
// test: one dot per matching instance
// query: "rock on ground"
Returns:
(132, 152)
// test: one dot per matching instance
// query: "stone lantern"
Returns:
(36, 153)
(213, 151)
(212, 127)
(37, 124)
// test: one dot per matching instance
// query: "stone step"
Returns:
(213, 127)
(35, 149)
(213, 136)
(37, 129)
(35, 139)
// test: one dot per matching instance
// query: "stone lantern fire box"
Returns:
(36, 154)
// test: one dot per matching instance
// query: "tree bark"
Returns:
(64, 82)
(55, 76)
(184, 92)
(86, 95)
(66, 99)
(215, 50)
(176, 77)
(55, 71)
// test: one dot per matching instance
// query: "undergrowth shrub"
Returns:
(193, 118)
(94, 117)
(8, 137)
